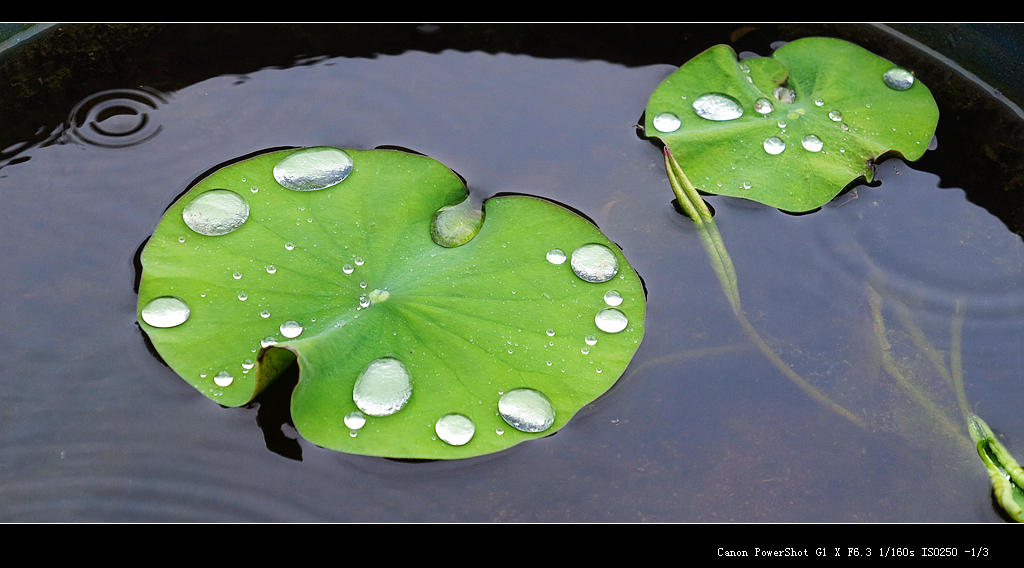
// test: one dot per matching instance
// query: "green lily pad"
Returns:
(406, 348)
(791, 130)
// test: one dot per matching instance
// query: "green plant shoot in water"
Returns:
(791, 131)
(422, 328)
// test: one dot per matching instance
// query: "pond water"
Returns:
(701, 427)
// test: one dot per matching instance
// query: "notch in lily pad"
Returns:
(421, 328)
(794, 129)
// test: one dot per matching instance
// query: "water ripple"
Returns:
(117, 118)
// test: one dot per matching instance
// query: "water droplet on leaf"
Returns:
(355, 420)
(763, 106)
(666, 122)
(527, 410)
(594, 263)
(784, 95)
(455, 429)
(216, 212)
(165, 311)
(611, 320)
(555, 256)
(811, 143)
(312, 169)
(291, 329)
(717, 106)
(383, 388)
(835, 115)
(612, 298)
(455, 225)
(774, 145)
(223, 379)
(898, 78)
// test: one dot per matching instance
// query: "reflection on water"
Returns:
(700, 428)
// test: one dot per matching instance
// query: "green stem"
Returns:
(695, 208)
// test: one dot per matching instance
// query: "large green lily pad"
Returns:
(791, 130)
(348, 280)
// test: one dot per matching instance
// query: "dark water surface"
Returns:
(701, 427)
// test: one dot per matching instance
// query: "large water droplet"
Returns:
(313, 168)
(763, 106)
(611, 320)
(355, 420)
(455, 429)
(811, 143)
(666, 122)
(594, 263)
(898, 78)
(717, 106)
(835, 115)
(383, 388)
(555, 256)
(223, 379)
(455, 225)
(527, 410)
(291, 329)
(774, 145)
(165, 311)
(216, 212)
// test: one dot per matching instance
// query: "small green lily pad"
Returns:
(791, 130)
(406, 348)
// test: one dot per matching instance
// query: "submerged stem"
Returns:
(956, 360)
(695, 208)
